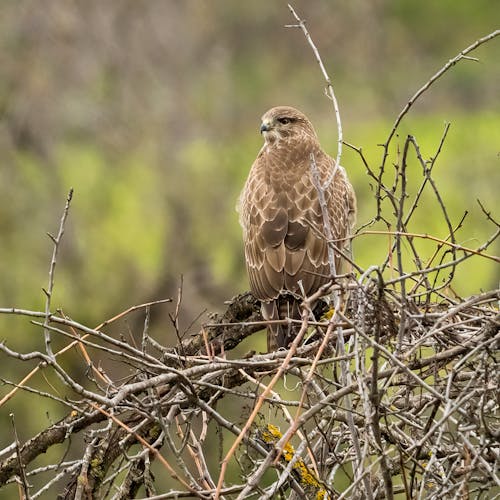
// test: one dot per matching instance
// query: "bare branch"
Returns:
(329, 91)
(50, 287)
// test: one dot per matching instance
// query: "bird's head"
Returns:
(284, 123)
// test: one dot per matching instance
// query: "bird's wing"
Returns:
(283, 225)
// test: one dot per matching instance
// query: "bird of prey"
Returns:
(284, 227)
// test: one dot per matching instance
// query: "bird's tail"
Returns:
(281, 335)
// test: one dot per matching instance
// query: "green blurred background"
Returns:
(150, 110)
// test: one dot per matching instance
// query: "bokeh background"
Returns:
(150, 110)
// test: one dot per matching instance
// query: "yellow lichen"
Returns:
(329, 314)
(96, 468)
(271, 435)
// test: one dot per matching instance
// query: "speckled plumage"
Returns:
(282, 220)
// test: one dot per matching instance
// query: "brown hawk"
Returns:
(284, 234)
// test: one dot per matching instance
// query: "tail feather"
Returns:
(281, 335)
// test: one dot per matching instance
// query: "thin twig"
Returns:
(50, 287)
(329, 91)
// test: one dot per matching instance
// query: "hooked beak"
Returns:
(264, 128)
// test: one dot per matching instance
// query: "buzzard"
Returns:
(284, 233)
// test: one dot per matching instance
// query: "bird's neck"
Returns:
(293, 152)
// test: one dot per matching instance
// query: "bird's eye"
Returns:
(284, 120)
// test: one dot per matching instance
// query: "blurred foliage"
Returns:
(150, 111)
